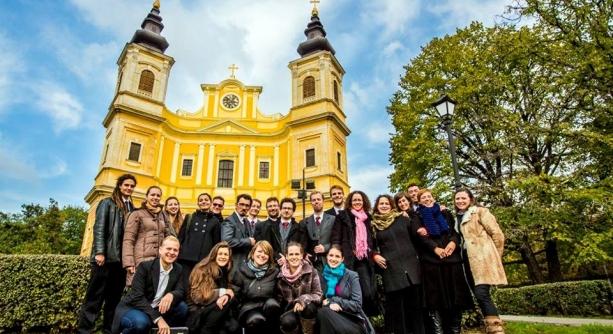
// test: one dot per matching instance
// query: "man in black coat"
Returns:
(157, 295)
(281, 232)
(338, 199)
(108, 278)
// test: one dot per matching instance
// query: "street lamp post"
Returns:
(445, 107)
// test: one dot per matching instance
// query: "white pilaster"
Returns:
(209, 170)
(175, 162)
(160, 154)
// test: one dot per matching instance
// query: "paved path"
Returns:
(557, 321)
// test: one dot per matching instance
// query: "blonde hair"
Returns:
(266, 247)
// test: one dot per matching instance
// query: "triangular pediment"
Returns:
(227, 127)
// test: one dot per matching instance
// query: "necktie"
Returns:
(285, 225)
(128, 206)
(317, 221)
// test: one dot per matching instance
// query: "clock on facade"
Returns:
(230, 101)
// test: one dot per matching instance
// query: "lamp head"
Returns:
(444, 106)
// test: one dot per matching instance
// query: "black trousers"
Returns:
(481, 292)
(105, 286)
(290, 320)
(369, 288)
(331, 322)
(404, 311)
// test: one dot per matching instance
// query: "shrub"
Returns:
(580, 298)
(41, 292)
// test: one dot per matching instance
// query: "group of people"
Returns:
(220, 275)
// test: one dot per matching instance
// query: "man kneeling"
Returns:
(157, 295)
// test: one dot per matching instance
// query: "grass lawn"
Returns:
(528, 328)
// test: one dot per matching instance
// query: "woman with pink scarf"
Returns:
(353, 233)
(299, 291)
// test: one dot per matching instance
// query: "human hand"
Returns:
(298, 307)
(222, 301)
(131, 270)
(230, 293)
(450, 248)
(335, 307)
(99, 259)
(440, 252)
(404, 213)
(252, 241)
(319, 249)
(422, 232)
(163, 327)
(380, 261)
(165, 303)
(281, 261)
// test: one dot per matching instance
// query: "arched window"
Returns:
(336, 91)
(146, 81)
(308, 87)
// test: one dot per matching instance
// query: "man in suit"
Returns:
(157, 295)
(108, 277)
(238, 231)
(412, 191)
(281, 232)
(272, 208)
(338, 198)
(319, 229)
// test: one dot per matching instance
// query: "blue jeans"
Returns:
(138, 322)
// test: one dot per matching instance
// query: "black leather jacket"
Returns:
(108, 231)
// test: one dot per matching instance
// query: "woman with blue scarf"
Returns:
(446, 289)
(342, 305)
(255, 284)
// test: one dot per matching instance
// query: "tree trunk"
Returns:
(553, 261)
(534, 272)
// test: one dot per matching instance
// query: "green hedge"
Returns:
(580, 298)
(41, 292)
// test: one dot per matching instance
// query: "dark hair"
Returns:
(294, 243)
(272, 199)
(117, 196)
(204, 194)
(288, 200)
(389, 198)
(468, 192)
(399, 196)
(256, 200)
(366, 202)
(412, 185)
(245, 196)
(203, 276)
(337, 247)
(144, 205)
(219, 197)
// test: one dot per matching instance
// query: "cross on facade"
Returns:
(315, 2)
(156, 4)
(233, 69)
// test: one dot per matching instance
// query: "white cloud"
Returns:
(460, 13)
(10, 67)
(378, 133)
(65, 111)
(372, 179)
(393, 15)
(17, 164)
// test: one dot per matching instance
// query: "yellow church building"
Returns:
(228, 146)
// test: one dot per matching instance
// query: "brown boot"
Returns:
(493, 325)
(308, 325)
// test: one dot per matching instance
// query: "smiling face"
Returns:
(154, 195)
(217, 205)
(334, 258)
(384, 206)
(223, 256)
(357, 202)
(204, 202)
(272, 208)
(294, 256)
(172, 206)
(255, 208)
(462, 201)
(337, 197)
(426, 199)
(127, 187)
(404, 204)
(260, 257)
(413, 193)
(169, 250)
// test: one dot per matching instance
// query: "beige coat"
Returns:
(142, 237)
(484, 242)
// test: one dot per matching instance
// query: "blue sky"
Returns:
(58, 71)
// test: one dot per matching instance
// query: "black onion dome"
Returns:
(316, 38)
(149, 36)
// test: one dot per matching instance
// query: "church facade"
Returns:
(228, 146)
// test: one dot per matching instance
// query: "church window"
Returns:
(339, 160)
(310, 157)
(186, 169)
(335, 91)
(225, 173)
(264, 169)
(134, 154)
(146, 82)
(308, 87)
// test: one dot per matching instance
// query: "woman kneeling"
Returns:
(300, 291)
(342, 307)
(255, 283)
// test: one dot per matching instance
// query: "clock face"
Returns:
(230, 101)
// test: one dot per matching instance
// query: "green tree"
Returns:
(42, 230)
(518, 125)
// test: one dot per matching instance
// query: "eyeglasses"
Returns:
(217, 205)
